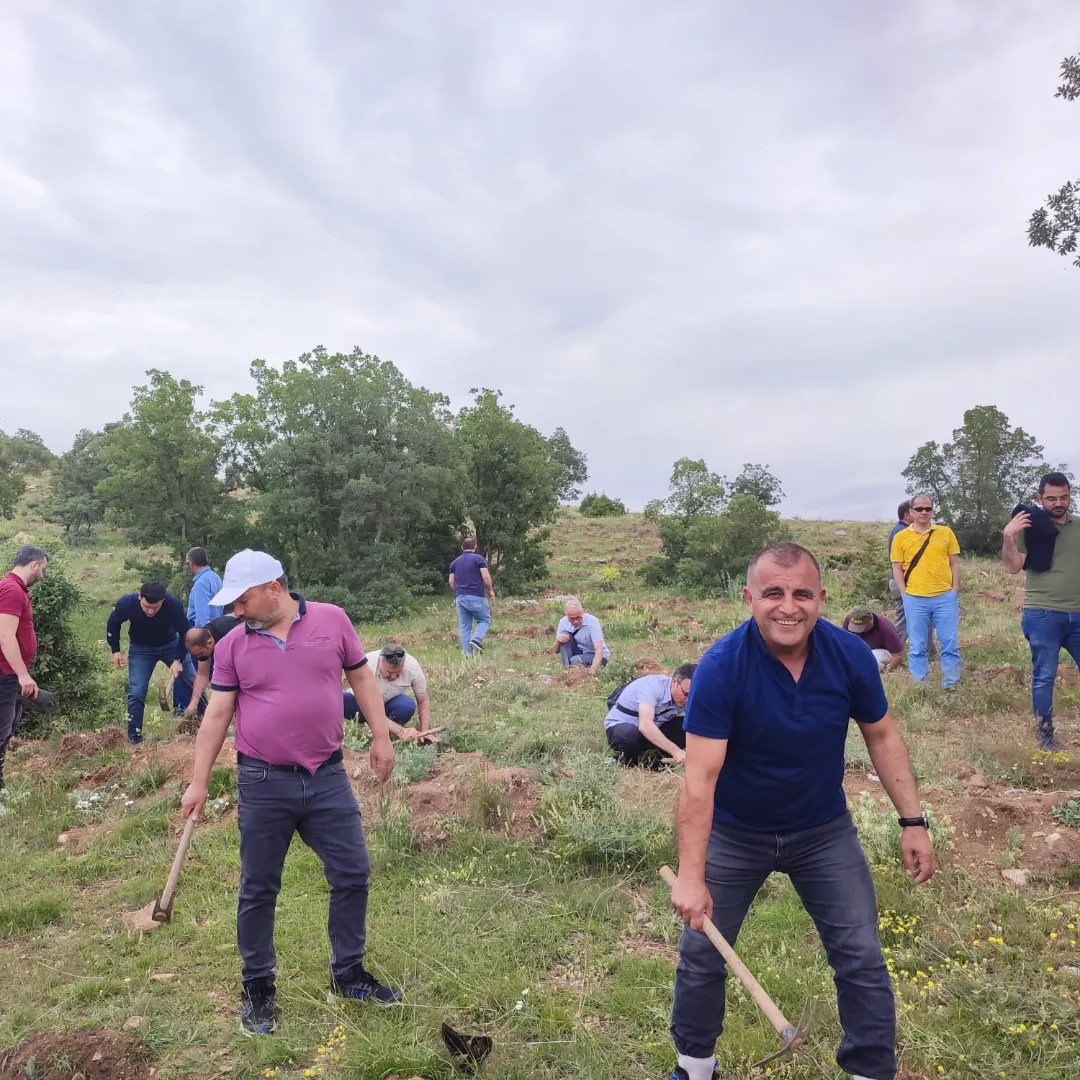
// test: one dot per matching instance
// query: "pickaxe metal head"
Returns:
(162, 913)
(792, 1037)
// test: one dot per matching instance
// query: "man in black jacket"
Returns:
(1044, 540)
(157, 624)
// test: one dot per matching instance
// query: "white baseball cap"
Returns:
(244, 570)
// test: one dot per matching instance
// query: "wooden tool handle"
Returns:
(764, 1002)
(178, 861)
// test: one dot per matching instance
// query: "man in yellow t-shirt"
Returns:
(926, 569)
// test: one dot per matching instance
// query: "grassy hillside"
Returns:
(515, 887)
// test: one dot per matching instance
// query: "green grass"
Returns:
(575, 914)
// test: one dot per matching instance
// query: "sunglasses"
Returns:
(921, 509)
(393, 656)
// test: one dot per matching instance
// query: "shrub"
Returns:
(879, 829)
(76, 673)
(872, 571)
(607, 580)
(597, 506)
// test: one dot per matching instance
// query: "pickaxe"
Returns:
(791, 1036)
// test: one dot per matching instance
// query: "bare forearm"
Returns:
(423, 706)
(892, 764)
(598, 659)
(9, 645)
(202, 681)
(210, 739)
(694, 817)
(367, 695)
(1012, 558)
(647, 727)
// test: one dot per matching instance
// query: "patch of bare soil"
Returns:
(524, 633)
(992, 595)
(88, 743)
(1002, 673)
(82, 1055)
(178, 755)
(447, 792)
(983, 639)
(572, 676)
(645, 665)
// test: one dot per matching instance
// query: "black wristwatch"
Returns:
(914, 822)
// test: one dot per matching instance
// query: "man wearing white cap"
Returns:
(282, 678)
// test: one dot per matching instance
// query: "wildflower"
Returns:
(518, 1006)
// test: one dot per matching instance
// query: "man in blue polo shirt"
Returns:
(204, 584)
(470, 579)
(766, 725)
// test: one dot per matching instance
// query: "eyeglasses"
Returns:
(921, 509)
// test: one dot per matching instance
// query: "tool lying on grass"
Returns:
(467, 1051)
(791, 1036)
(153, 915)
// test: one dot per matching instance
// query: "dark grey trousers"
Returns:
(10, 715)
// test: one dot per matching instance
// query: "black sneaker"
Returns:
(257, 1014)
(679, 1073)
(476, 646)
(363, 986)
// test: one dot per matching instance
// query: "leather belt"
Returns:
(247, 759)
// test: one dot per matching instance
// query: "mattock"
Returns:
(792, 1036)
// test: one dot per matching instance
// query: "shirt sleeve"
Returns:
(892, 638)
(200, 594)
(419, 681)
(481, 562)
(896, 552)
(709, 711)
(868, 703)
(10, 603)
(225, 677)
(352, 652)
(181, 624)
(954, 544)
(112, 627)
(597, 630)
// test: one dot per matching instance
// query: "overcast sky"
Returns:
(781, 232)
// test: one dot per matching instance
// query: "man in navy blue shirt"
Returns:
(766, 725)
(470, 579)
(157, 624)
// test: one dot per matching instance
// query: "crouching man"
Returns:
(645, 721)
(766, 726)
(579, 638)
(395, 673)
(281, 675)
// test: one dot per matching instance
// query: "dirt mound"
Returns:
(1006, 672)
(645, 665)
(524, 633)
(572, 676)
(88, 743)
(453, 789)
(90, 1055)
(992, 595)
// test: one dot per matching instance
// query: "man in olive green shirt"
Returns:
(1051, 619)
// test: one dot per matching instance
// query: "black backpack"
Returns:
(613, 699)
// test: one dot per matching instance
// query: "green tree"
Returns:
(1057, 224)
(574, 464)
(976, 479)
(695, 493)
(28, 453)
(73, 501)
(719, 547)
(601, 505)
(352, 478)
(512, 488)
(162, 464)
(757, 482)
(12, 482)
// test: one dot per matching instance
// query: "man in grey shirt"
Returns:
(645, 723)
(579, 638)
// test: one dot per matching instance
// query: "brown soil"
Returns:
(522, 633)
(447, 791)
(90, 1055)
(645, 665)
(1002, 672)
(983, 639)
(88, 743)
(992, 595)
(574, 676)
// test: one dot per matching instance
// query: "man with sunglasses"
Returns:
(395, 673)
(1045, 542)
(926, 569)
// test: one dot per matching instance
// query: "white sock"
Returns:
(854, 1077)
(697, 1068)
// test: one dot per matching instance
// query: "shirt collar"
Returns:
(201, 570)
(25, 587)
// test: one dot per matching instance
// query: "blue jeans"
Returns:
(470, 608)
(828, 869)
(1048, 632)
(400, 709)
(943, 614)
(323, 810)
(181, 691)
(142, 659)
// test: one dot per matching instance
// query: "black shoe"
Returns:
(1044, 735)
(134, 737)
(476, 646)
(363, 986)
(257, 1014)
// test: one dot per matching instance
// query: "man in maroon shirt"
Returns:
(18, 642)
(880, 634)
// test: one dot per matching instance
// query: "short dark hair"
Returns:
(1054, 479)
(903, 510)
(684, 672)
(153, 592)
(784, 554)
(468, 544)
(283, 581)
(28, 554)
(198, 637)
(197, 557)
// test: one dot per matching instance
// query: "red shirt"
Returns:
(15, 600)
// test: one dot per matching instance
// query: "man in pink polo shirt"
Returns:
(282, 678)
